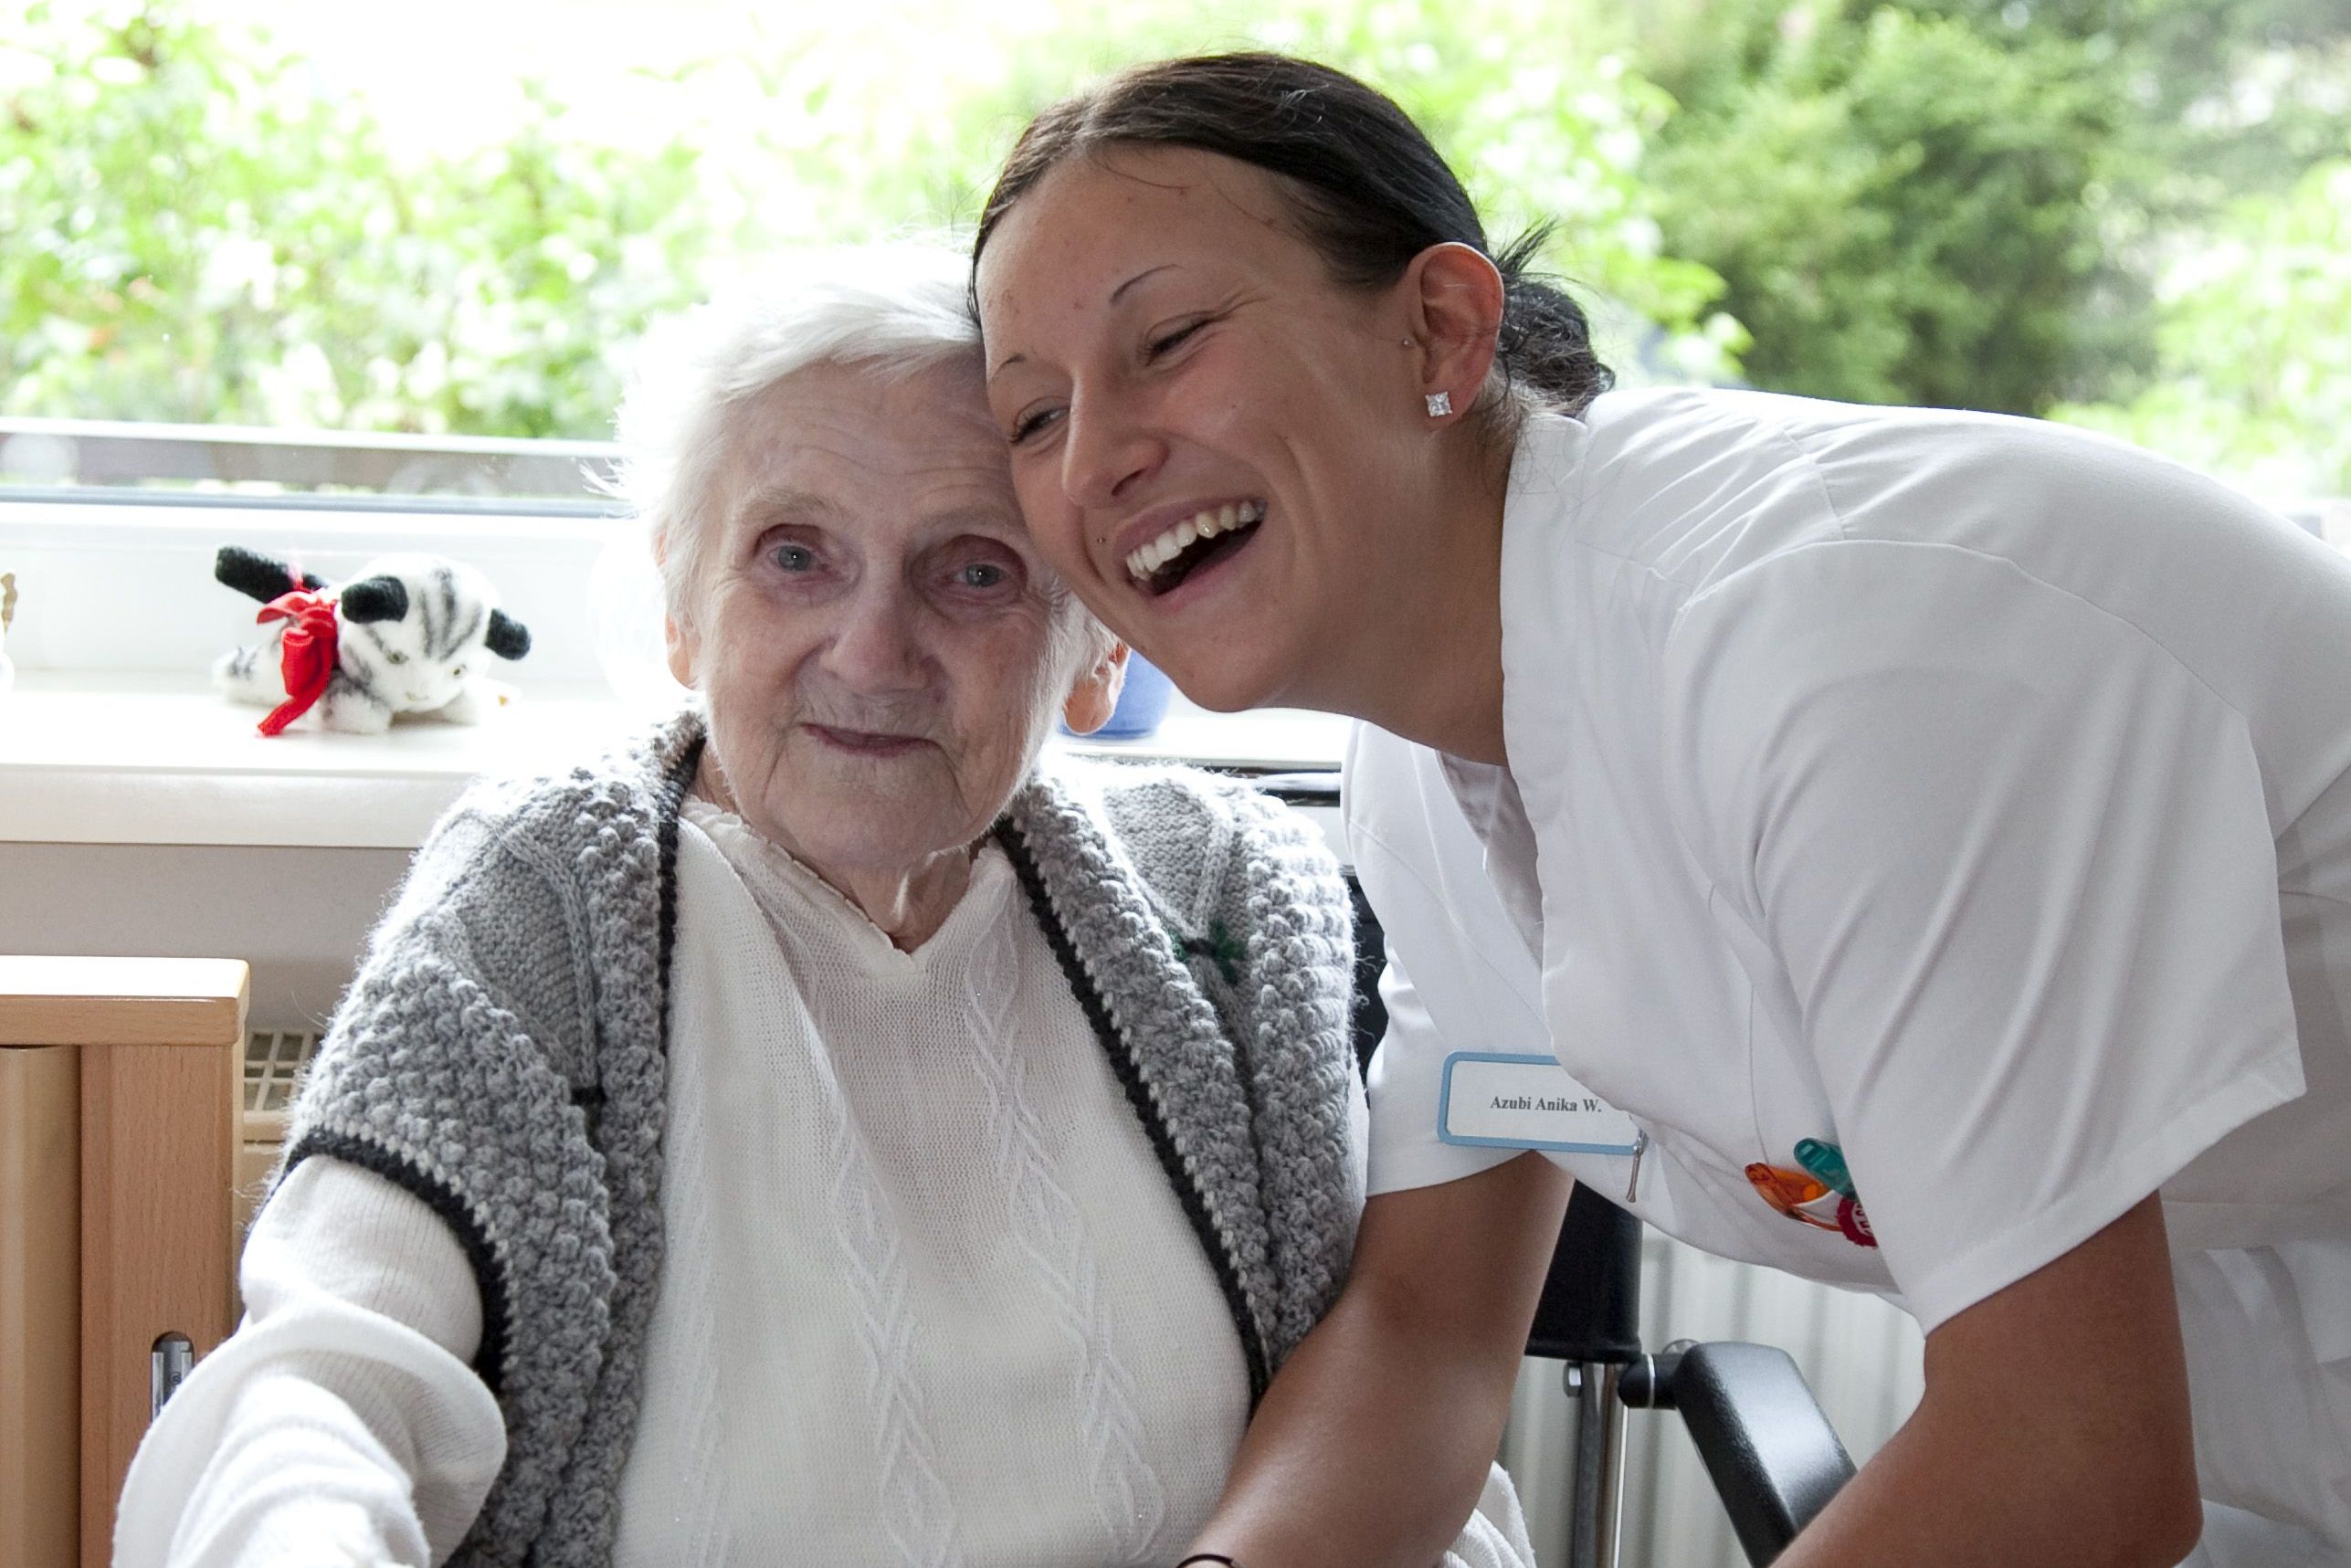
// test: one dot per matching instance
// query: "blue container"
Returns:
(1142, 701)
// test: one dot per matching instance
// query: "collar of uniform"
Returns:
(1539, 508)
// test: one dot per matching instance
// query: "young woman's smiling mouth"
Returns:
(1159, 564)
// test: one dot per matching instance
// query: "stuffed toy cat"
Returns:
(411, 633)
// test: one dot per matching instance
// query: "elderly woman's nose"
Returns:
(876, 645)
(1104, 453)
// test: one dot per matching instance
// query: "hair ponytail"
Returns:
(1545, 344)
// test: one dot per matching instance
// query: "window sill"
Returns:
(162, 759)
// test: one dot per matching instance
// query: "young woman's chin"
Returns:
(1225, 675)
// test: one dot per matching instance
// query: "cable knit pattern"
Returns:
(1128, 1499)
(500, 1054)
(915, 1504)
(1191, 1080)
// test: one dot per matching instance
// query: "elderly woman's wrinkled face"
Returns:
(881, 646)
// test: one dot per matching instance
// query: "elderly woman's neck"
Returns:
(908, 904)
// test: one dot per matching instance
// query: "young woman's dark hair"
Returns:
(1370, 191)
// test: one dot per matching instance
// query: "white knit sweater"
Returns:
(928, 1298)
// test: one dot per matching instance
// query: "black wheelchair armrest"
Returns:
(1772, 1456)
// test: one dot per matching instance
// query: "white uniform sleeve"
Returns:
(340, 1423)
(1459, 976)
(2016, 865)
(1403, 1087)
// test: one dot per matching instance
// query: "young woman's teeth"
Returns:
(1207, 523)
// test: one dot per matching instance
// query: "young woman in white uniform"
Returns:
(1928, 833)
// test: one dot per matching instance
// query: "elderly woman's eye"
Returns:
(793, 557)
(981, 574)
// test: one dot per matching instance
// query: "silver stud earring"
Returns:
(1440, 404)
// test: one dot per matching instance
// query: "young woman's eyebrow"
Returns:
(1120, 292)
(1008, 361)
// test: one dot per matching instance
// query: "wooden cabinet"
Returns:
(120, 1130)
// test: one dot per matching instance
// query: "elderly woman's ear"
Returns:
(682, 645)
(1096, 693)
(678, 647)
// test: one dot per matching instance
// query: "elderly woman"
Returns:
(816, 1134)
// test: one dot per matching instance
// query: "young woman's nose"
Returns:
(1105, 453)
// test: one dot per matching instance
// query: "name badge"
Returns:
(1497, 1102)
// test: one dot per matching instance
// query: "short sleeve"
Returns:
(1458, 977)
(1403, 1084)
(2016, 864)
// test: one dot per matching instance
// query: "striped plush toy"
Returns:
(411, 633)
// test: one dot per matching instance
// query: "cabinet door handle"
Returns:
(168, 1367)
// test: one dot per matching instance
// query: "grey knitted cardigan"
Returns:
(500, 1054)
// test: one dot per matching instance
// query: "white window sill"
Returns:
(130, 758)
(114, 736)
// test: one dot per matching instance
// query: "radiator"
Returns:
(274, 1060)
(1862, 1357)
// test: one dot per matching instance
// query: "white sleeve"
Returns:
(1458, 977)
(1496, 1536)
(1402, 1088)
(2016, 863)
(340, 1423)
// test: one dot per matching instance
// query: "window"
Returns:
(365, 277)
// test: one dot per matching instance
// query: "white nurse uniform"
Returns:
(1963, 793)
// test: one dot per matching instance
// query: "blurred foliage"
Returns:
(1901, 207)
(191, 230)
(2123, 211)
(2255, 343)
(1967, 202)
(2228, 98)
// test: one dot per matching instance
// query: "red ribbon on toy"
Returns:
(306, 655)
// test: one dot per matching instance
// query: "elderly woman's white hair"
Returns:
(896, 309)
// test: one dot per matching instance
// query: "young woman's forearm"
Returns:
(1371, 1447)
(1361, 1453)
(2055, 1428)
(1933, 1498)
